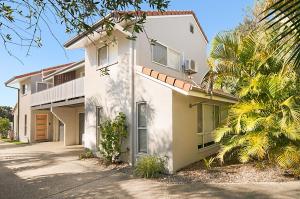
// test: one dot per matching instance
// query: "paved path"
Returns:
(49, 170)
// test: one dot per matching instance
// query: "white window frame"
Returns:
(99, 120)
(203, 133)
(107, 56)
(141, 128)
(25, 89)
(168, 49)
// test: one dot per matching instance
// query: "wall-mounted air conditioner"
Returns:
(190, 66)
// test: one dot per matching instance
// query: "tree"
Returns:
(4, 127)
(285, 15)
(6, 112)
(20, 21)
(264, 124)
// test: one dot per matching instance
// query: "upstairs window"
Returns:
(103, 56)
(24, 89)
(165, 56)
(160, 54)
(107, 55)
(192, 28)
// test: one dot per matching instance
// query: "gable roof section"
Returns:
(68, 68)
(183, 84)
(49, 69)
(148, 13)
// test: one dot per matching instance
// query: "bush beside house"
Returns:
(4, 127)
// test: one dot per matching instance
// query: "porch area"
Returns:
(63, 124)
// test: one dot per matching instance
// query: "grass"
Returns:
(12, 141)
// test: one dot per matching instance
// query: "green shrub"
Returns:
(112, 134)
(149, 166)
(4, 127)
(86, 154)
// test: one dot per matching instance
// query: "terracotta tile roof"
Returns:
(182, 84)
(148, 13)
(49, 69)
(167, 79)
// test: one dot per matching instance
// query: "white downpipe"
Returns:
(132, 136)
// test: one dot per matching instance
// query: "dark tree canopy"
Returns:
(6, 112)
(21, 20)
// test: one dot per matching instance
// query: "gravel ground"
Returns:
(197, 173)
(234, 173)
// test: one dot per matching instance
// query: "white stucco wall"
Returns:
(185, 138)
(174, 32)
(159, 117)
(25, 110)
(70, 117)
(111, 92)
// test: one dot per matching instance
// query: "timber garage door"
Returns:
(41, 126)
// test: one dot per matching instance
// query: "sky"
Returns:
(214, 16)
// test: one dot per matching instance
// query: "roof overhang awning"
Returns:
(72, 67)
(186, 88)
(90, 37)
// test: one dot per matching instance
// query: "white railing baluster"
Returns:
(68, 90)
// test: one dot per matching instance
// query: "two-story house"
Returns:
(155, 85)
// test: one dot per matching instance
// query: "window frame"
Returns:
(107, 55)
(99, 113)
(25, 125)
(24, 90)
(141, 128)
(168, 49)
(204, 133)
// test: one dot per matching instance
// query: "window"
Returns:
(98, 122)
(160, 54)
(25, 125)
(103, 56)
(142, 127)
(40, 86)
(24, 89)
(173, 59)
(208, 121)
(192, 28)
(108, 55)
(165, 56)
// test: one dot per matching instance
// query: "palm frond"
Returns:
(286, 16)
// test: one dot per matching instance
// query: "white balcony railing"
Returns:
(68, 90)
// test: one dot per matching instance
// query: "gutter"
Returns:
(18, 119)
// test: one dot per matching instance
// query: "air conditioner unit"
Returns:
(190, 66)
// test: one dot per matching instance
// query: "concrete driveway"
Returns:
(49, 170)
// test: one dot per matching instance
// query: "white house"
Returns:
(156, 86)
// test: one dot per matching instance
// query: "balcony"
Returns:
(63, 92)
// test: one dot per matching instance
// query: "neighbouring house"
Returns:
(156, 86)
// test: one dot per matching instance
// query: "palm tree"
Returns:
(265, 123)
(235, 57)
(285, 16)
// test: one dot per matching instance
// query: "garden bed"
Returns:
(230, 173)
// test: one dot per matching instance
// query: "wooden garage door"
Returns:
(41, 128)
